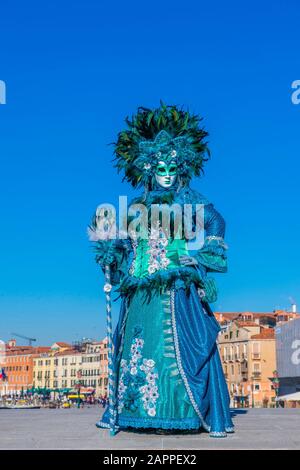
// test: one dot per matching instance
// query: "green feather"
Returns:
(145, 125)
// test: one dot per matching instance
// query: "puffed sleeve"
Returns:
(212, 256)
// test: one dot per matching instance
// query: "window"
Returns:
(256, 350)
(225, 353)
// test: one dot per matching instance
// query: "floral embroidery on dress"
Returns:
(132, 267)
(138, 379)
(158, 243)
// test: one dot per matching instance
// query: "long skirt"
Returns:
(167, 365)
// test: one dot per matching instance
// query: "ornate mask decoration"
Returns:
(156, 139)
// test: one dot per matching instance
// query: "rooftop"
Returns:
(265, 333)
(61, 344)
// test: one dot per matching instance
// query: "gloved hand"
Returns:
(209, 292)
(186, 260)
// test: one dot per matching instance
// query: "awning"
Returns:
(290, 397)
(83, 390)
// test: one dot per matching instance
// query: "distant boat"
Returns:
(19, 407)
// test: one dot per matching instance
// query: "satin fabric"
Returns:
(172, 407)
(201, 399)
(194, 329)
(174, 249)
(197, 331)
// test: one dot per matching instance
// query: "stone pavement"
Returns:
(75, 429)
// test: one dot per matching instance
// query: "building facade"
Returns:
(95, 367)
(68, 364)
(248, 356)
(45, 366)
(17, 363)
(60, 367)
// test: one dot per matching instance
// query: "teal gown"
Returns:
(148, 362)
(167, 366)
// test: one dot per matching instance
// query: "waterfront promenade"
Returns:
(75, 429)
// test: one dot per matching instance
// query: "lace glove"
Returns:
(186, 260)
(209, 292)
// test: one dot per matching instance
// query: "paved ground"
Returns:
(75, 429)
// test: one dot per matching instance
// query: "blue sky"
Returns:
(73, 71)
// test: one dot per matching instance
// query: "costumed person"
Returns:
(166, 372)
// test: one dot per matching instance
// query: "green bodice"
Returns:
(153, 255)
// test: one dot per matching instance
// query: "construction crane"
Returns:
(30, 340)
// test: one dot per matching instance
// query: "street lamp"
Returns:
(252, 392)
(77, 385)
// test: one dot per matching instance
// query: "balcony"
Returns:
(256, 375)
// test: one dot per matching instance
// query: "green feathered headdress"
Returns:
(166, 133)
